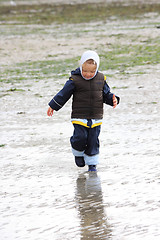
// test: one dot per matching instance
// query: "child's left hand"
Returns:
(50, 112)
(114, 101)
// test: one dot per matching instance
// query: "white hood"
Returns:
(89, 55)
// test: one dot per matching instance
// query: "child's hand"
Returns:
(50, 112)
(114, 101)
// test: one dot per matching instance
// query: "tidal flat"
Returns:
(43, 194)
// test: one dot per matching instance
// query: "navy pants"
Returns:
(85, 142)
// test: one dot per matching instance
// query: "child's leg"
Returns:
(79, 138)
(91, 155)
(78, 143)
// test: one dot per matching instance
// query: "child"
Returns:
(89, 90)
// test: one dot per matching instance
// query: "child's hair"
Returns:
(91, 61)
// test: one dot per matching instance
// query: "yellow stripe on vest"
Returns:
(85, 124)
(96, 124)
(80, 123)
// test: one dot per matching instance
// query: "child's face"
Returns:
(88, 70)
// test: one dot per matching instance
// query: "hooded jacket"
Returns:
(88, 94)
(69, 90)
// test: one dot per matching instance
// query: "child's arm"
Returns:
(108, 97)
(61, 97)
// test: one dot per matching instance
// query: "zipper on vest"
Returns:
(91, 98)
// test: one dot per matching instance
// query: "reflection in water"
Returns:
(91, 209)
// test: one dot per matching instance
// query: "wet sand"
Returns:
(43, 195)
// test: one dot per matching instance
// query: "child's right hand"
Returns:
(114, 101)
(50, 112)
